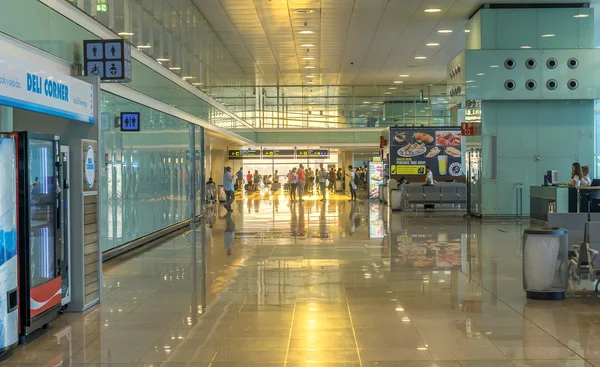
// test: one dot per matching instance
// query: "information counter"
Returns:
(547, 199)
(562, 199)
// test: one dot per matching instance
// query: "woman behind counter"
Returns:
(576, 175)
(586, 181)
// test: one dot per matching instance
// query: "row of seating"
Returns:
(440, 193)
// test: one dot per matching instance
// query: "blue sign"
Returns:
(114, 69)
(94, 50)
(113, 50)
(95, 68)
(130, 121)
(110, 60)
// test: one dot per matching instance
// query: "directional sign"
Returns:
(130, 121)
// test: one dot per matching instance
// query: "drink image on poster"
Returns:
(8, 244)
(443, 164)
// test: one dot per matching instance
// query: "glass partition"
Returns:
(145, 185)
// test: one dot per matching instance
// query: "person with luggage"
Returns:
(228, 188)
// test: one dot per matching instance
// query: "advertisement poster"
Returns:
(8, 241)
(375, 178)
(412, 149)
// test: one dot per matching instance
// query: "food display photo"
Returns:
(412, 149)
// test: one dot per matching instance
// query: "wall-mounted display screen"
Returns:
(312, 153)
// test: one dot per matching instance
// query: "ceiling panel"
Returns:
(353, 42)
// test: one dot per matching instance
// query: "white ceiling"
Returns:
(356, 42)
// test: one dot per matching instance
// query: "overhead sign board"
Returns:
(37, 88)
(244, 153)
(312, 153)
(110, 60)
(278, 153)
(130, 121)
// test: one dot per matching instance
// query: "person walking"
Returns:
(301, 182)
(353, 185)
(332, 177)
(229, 188)
(240, 179)
(276, 181)
(323, 175)
(249, 181)
(293, 180)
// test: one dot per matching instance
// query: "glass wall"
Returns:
(146, 176)
(334, 106)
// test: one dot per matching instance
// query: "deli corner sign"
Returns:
(38, 88)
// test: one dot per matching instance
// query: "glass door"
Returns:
(42, 211)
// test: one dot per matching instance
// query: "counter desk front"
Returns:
(562, 199)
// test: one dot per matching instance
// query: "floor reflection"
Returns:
(325, 284)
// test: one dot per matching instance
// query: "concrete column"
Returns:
(6, 119)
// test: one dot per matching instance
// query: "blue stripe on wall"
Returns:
(8, 101)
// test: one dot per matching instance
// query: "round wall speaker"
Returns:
(551, 63)
(573, 63)
(510, 64)
(572, 84)
(552, 84)
(530, 84)
(530, 63)
(510, 84)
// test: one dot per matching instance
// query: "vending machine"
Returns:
(40, 230)
(9, 276)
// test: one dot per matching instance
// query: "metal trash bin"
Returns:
(339, 186)
(545, 263)
(221, 194)
(380, 194)
(397, 199)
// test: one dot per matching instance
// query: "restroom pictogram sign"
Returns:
(110, 60)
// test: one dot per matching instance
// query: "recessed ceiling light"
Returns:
(481, 74)
(163, 60)
(433, 10)
(144, 46)
(310, 76)
(175, 68)
(387, 93)
(307, 45)
(445, 31)
(467, 31)
(308, 58)
(366, 102)
(304, 11)
(548, 35)
(403, 75)
(420, 57)
(125, 34)
(581, 16)
(187, 77)
(306, 32)
(525, 46)
(398, 82)
(309, 67)
(494, 66)
(197, 84)
(392, 88)
(432, 44)
(310, 82)
(470, 81)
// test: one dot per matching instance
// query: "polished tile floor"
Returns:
(325, 284)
